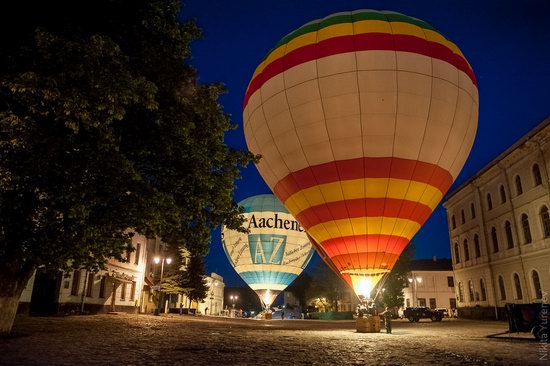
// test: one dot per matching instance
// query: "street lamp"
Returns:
(414, 280)
(233, 298)
(161, 260)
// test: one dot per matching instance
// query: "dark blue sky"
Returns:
(506, 42)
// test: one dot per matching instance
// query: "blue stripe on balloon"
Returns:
(263, 203)
(271, 277)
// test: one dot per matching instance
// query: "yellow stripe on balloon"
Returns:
(336, 30)
(364, 188)
(364, 226)
(301, 41)
(372, 26)
(407, 29)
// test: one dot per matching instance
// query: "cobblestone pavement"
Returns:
(186, 340)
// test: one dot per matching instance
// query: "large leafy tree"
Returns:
(392, 294)
(194, 281)
(104, 127)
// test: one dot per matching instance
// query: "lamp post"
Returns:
(414, 280)
(161, 260)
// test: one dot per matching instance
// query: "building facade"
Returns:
(117, 288)
(430, 284)
(499, 226)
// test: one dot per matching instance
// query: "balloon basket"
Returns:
(268, 316)
(368, 324)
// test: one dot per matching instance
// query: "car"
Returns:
(415, 314)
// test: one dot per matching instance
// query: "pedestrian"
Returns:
(181, 308)
(282, 315)
(387, 314)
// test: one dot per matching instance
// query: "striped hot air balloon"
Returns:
(364, 119)
(273, 253)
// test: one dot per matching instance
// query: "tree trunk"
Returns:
(12, 284)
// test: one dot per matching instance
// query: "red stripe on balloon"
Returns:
(364, 207)
(361, 168)
(390, 244)
(359, 42)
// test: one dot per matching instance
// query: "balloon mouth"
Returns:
(364, 281)
(267, 297)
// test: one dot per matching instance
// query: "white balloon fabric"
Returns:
(273, 253)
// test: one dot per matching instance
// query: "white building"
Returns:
(213, 303)
(430, 283)
(118, 288)
(499, 226)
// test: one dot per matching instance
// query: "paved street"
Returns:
(186, 340)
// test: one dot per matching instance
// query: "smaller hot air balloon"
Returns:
(274, 251)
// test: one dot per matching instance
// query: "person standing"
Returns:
(282, 315)
(387, 314)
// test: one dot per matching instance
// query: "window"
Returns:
(453, 222)
(457, 253)
(489, 202)
(133, 291)
(482, 289)
(473, 210)
(502, 195)
(477, 248)
(509, 237)
(471, 290)
(433, 304)
(494, 239)
(536, 175)
(517, 285)
(526, 229)
(466, 251)
(138, 250)
(519, 188)
(422, 302)
(90, 284)
(462, 218)
(76, 283)
(450, 281)
(545, 217)
(452, 303)
(123, 291)
(501, 288)
(460, 292)
(102, 286)
(536, 284)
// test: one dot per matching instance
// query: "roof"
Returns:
(529, 135)
(435, 264)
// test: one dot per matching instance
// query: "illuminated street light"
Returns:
(415, 280)
(161, 260)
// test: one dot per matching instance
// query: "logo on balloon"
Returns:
(267, 248)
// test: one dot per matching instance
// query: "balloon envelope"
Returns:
(273, 253)
(364, 119)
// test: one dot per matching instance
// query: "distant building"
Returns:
(431, 284)
(499, 226)
(118, 288)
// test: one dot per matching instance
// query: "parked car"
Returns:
(415, 314)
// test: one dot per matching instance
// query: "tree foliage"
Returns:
(104, 127)
(194, 280)
(392, 295)
(325, 284)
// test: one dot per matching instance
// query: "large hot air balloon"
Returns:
(273, 253)
(364, 119)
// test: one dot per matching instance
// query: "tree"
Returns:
(194, 280)
(325, 284)
(104, 127)
(392, 295)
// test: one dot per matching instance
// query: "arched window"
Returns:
(536, 284)
(477, 248)
(489, 202)
(462, 218)
(501, 288)
(519, 188)
(457, 253)
(545, 217)
(473, 210)
(502, 195)
(536, 175)
(494, 239)
(466, 251)
(453, 222)
(460, 292)
(482, 288)
(517, 285)
(526, 228)
(509, 237)
(471, 290)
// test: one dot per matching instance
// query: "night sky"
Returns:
(506, 42)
